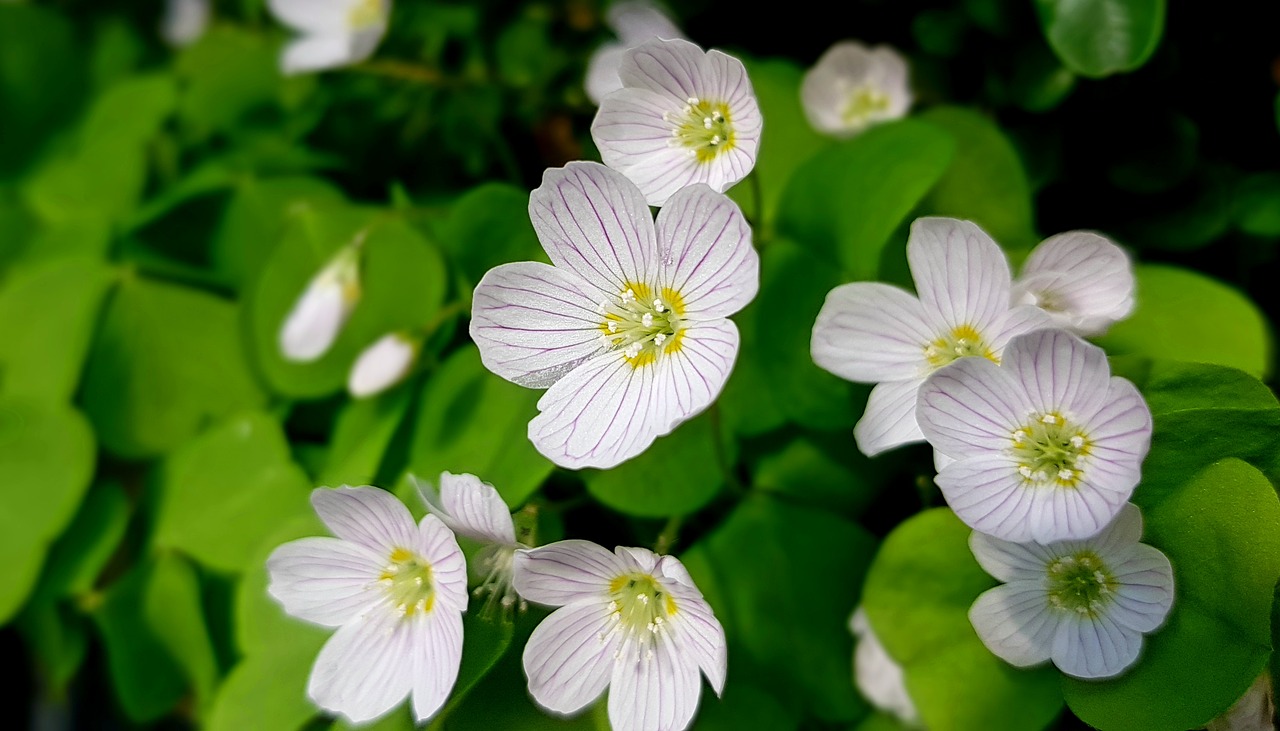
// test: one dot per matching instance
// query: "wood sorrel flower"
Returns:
(630, 620)
(635, 21)
(1081, 279)
(852, 87)
(323, 308)
(627, 331)
(333, 32)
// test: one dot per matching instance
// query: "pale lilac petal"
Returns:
(1015, 322)
(1144, 592)
(1120, 534)
(1014, 622)
(1094, 647)
(1072, 513)
(437, 655)
(634, 138)
(655, 691)
(570, 655)
(437, 544)
(878, 676)
(988, 494)
(706, 253)
(474, 509)
(696, 632)
(1060, 373)
(1008, 561)
(871, 332)
(366, 667)
(315, 321)
(636, 21)
(602, 71)
(961, 275)
(1120, 432)
(369, 516)
(313, 16)
(688, 380)
(1082, 279)
(595, 222)
(727, 80)
(638, 560)
(566, 571)
(890, 418)
(325, 580)
(674, 68)
(971, 407)
(534, 323)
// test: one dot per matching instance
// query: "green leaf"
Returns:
(173, 610)
(167, 360)
(986, 182)
(261, 626)
(1221, 531)
(1101, 37)
(465, 412)
(402, 288)
(747, 402)
(845, 203)
(770, 574)
(489, 225)
(227, 74)
(802, 471)
(58, 638)
(267, 691)
(917, 599)
(228, 487)
(1183, 315)
(47, 453)
(745, 705)
(679, 474)
(50, 312)
(1257, 205)
(487, 641)
(364, 430)
(40, 53)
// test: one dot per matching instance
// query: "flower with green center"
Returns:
(1084, 604)
(333, 33)
(1081, 279)
(853, 87)
(683, 116)
(871, 332)
(1046, 447)
(630, 621)
(395, 591)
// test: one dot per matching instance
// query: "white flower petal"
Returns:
(325, 580)
(636, 21)
(688, 380)
(569, 657)
(1120, 534)
(706, 253)
(1072, 513)
(319, 313)
(313, 16)
(564, 572)
(1144, 593)
(971, 407)
(653, 691)
(184, 21)
(602, 71)
(1008, 561)
(594, 222)
(1084, 280)
(674, 68)
(1094, 647)
(634, 138)
(890, 418)
(382, 365)
(474, 509)
(1120, 431)
(1015, 322)
(878, 676)
(437, 544)
(437, 655)
(694, 628)
(871, 332)
(961, 274)
(317, 53)
(366, 668)
(986, 492)
(640, 560)
(1014, 622)
(1060, 373)
(369, 516)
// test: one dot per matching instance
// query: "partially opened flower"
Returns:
(323, 308)
(1083, 280)
(1047, 446)
(473, 509)
(853, 87)
(871, 332)
(395, 591)
(383, 364)
(1085, 605)
(635, 21)
(184, 21)
(332, 33)
(683, 116)
(628, 329)
(631, 621)
(878, 675)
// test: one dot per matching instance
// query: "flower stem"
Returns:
(669, 535)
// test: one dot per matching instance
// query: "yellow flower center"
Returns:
(639, 604)
(864, 104)
(1049, 448)
(643, 324)
(703, 127)
(407, 579)
(962, 342)
(1081, 583)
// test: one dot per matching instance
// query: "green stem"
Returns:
(669, 535)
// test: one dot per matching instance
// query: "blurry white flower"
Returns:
(1083, 604)
(332, 33)
(634, 21)
(853, 87)
(630, 620)
(871, 332)
(628, 329)
(323, 308)
(474, 510)
(396, 592)
(184, 21)
(1047, 446)
(1083, 280)
(683, 116)
(382, 365)
(878, 676)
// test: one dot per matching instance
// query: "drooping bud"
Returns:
(319, 314)
(383, 364)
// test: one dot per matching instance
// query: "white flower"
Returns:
(628, 329)
(877, 333)
(878, 675)
(1047, 447)
(395, 591)
(1083, 604)
(382, 365)
(474, 510)
(682, 116)
(630, 620)
(319, 314)
(1083, 280)
(332, 32)
(853, 87)
(634, 21)
(184, 21)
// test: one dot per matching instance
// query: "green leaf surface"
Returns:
(40, 52)
(489, 225)
(267, 691)
(744, 705)
(261, 626)
(227, 73)
(802, 471)
(84, 548)
(172, 606)
(1257, 205)
(363, 432)
(917, 598)
(167, 360)
(1101, 37)
(747, 403)
(486, 642)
